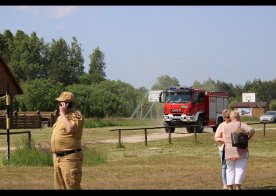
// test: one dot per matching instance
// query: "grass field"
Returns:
(182, 165)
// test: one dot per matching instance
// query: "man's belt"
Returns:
(61, 154)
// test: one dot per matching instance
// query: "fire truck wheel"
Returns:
(215, 129)
(168, 129)
(190, 129)
(200, 121)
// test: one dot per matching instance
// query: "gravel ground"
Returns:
(180, 132)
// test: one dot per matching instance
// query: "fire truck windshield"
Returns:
(178, 97)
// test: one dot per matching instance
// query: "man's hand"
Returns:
(63, 107)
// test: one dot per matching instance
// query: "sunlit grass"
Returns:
(184, 164)
(113, 122)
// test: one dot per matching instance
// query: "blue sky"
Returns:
(233, 44)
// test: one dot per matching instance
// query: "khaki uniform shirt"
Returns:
(61, 140)
(234, 152)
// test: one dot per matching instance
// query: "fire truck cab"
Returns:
(187, 106)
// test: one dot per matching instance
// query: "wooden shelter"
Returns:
(6, 77)
(257, 108)
(18, 119)
(7, 80)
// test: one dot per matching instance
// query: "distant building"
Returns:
(254, 109)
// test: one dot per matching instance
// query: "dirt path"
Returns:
(152, 136)
(182, 132)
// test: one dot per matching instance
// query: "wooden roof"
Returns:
(250, 104)
(6, 77)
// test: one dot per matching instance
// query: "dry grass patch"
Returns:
(185, 165)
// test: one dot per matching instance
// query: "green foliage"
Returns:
(112, 122)
(39, 94)
(106, 99)
(272, 104)
(265, 90)
(76, 59)
(209, 85)
(8, 38)
(46, 69)
(27, 155)
(4, 50)
(232, 101)
(85, 78)
(26, 59)
(59, 66)
(99, 123)
(164, 82)
(97, 66)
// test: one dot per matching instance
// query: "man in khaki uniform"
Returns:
(66, 144)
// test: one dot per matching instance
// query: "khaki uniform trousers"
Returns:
(68, 171)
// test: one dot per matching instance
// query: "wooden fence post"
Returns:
(29, 139)
(120, 138)
(195, 135)
(264, 129)
(170, 137)
(146, 137)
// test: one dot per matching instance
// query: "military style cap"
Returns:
(66, 96)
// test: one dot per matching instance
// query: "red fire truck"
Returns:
(187, 106)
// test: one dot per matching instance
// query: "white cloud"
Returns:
(61, 11)
(49, 11)
(32, 9)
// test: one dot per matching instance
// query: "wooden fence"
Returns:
(24, 120)
(47, 118)
(169, 134)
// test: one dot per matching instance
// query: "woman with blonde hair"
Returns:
(236, 158)
(219, 138)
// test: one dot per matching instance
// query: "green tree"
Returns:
(4, 50)
(225, 87)
(272, 104)
(164, 82)
(97, 66)
(8, 37)
(85, 78)
(86, 110)
(39, 94)
(255, 86)
(197, 85)
(36, 58)
(76, 59)
(106, 99)
(26, 61)
(209, 85)
(60, 68)
(81, 91)
(113, 98)
(18, 52)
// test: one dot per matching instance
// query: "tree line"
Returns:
(45, 69)
(265, 91)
